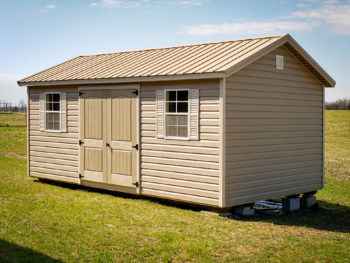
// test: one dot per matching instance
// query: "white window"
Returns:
(52, 111)
(176, 114)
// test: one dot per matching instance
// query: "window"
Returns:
(52, 111)
(176, 113)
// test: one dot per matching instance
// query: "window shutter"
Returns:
(42, 111)
(63, 112)
(160, 113)
(194, 114)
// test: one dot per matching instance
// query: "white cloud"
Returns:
(50, 7)
(118, 3)
(337, 16)
(327, 12)
(190, 2)
(249, 28)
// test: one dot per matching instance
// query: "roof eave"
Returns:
(210, 75)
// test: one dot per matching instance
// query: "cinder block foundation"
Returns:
(291, 203)
(308, 201)
(247, 210)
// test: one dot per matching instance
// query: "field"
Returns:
(42, 222)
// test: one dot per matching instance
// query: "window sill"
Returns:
(176, 138)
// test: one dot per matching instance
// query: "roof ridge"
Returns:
(181, 46)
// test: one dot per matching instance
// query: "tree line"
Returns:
(340, 104)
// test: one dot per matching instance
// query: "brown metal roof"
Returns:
(208, 58)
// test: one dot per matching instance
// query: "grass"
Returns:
(48, 222)
(12, 119)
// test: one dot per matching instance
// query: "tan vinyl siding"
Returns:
(273, 130)
(54, 155)
(186, 170)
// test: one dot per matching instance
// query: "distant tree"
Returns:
(340, 104)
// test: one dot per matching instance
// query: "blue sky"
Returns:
(36, 34)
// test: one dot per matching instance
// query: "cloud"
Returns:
(50, 7)
(190, 2)
(331, 13)
(119, 3)
(47, 8)
(249, 28)
(328, 12)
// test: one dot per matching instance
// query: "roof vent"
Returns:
(279, 62)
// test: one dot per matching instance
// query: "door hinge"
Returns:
(136, 146)
(80, 176)
(136, 92)
(136, 184)
(80, 93)
(80, 142)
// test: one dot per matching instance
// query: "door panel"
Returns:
(123, 138)
(109, 134)
(91, 133)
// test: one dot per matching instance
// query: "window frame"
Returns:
(165, 113)
(59, 112)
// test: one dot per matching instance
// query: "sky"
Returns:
(37, 34)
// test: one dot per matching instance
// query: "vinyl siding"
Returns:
(186, 170)
(274, 121)
(54, 155)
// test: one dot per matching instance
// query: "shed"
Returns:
(216, 124)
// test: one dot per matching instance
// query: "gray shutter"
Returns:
(160, 113)
(194, 113)
(42, 111)
(63, 112)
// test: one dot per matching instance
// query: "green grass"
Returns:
(42, 222)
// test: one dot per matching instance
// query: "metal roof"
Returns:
(191, 60)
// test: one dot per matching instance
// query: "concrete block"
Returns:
(243, 210)
(308, 201)
(291, 204)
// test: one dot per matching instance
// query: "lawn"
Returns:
(41, 222)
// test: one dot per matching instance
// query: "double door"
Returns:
(108, 137)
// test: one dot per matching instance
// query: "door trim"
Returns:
(138, 126)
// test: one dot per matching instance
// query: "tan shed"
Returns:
(217, 124)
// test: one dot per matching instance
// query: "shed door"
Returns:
(108, 134)
(122, 135)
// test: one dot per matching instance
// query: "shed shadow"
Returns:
(11, 252)
(329, 217)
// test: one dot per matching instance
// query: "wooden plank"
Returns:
(181, 183)
(272, 95)
(48, 171)
(272, 108)
(271, 115)
(179, 169)
(55, 145)
(55, 155)
(54, 166)
(167, 142)
(55, 139)
(275, 122)
(277, 154)
(238, 150)
(180, 197)
(272, 101)
(270, 135)
(181, 176)
(273, 141)
(177, 162)
(54, 150)
(272, 128)
(53, 177)
(270, 168)
(179, 148)
(53, 161)
(181, 190)
(251, 178)
(272, 161)
(181, 156)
